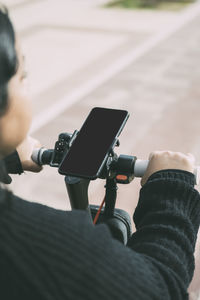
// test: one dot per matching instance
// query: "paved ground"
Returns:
(154, 76)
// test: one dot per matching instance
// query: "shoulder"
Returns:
(20, 205)
(24, 215)
(35, 226)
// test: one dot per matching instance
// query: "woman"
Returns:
(51, 254)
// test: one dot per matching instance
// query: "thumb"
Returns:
(29, 165)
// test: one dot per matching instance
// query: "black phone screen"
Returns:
(91, 147)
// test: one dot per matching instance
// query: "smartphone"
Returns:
(97, 136)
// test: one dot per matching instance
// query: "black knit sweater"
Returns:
(50, 254)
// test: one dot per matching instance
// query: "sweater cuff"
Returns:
(169, 191)
(175, 174)
(13, 164)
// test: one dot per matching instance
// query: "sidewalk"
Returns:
(60, 59)
(66, 47)
(79, 36)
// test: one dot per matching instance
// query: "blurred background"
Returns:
(138, 55)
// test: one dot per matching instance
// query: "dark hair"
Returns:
(8, 57)
(8, 68)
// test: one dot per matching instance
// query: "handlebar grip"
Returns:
(42, 156)
(141, 166)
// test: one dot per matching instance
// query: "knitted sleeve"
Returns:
(167, 219)
(11, 164)
(47, 254)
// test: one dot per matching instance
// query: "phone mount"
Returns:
(115, 170)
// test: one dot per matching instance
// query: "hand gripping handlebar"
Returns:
(43, 156)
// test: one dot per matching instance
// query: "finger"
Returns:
(150, 155)
(157, 152)
(37, 144)
(34, 142)
(191, 157)
(31, 166)
(37, 169)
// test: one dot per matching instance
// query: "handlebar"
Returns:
(42, 156)
(138, 167)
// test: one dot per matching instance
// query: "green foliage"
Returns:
(149, 3)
